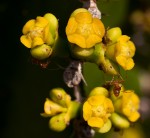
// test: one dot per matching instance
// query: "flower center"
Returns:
(84, 29)
(36, 32)
(98, 111)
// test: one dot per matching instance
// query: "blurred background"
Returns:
(24, 85)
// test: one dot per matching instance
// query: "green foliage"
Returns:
(114, 11)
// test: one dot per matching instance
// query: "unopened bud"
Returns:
(113, 34)
(81, 53)
(59, 96)
(106, 127)
(41, 52)
(119, 121)
(58, 123)
(53, 23)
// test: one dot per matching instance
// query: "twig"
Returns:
(91, 6)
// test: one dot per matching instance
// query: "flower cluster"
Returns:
(60, 109)
(40, 35)
(103, 109)
(89, 41)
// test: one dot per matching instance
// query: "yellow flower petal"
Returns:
(83, 17)
(98, 27)
(96, 100)
(85, 30)
(125, 49)
(28, 26)
(71, 26)
(109, 106)
(78, 11)
(123, 38)
(95, 122)
(126, 110)
(132, 48)
(87, 111)
(129, 94)
(26, 40)
(41, 22)
(47, 36)
(130, 105)
(92, 40)
(126, 63)
(134, 116)
(37, 41)
(77, 39)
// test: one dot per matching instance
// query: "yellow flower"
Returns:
(130, 105)
(125, 50)
(96, 110)
(122, 52)
(36, 32)
(84, 30)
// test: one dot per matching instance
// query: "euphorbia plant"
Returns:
(105, 107)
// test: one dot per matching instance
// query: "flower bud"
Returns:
(110, 51)
(41, 52)
(51, 108)
(106, 127)
(59, 96)
(113, 34)
(81, 53)
(99, 91)
(94, 54)
(53, 23)
(119, 121)
(58, 123)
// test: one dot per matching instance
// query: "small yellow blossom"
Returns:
(97, 110)
(130, 105)
(36, 32)
(125, 50)
(84, 30)
(122, 52)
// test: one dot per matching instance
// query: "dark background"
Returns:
(24, 86)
